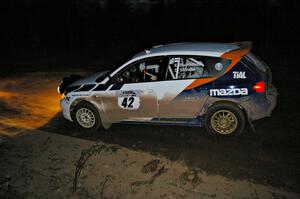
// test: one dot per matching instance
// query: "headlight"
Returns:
(61, 87)
(58, 89)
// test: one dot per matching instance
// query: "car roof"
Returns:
(195, 48)
(233, 51)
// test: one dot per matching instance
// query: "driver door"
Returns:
(132, 95)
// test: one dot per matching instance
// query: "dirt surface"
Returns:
(39, 150)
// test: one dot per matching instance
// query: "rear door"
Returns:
(188, 80)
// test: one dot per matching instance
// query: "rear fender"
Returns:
(243, 103)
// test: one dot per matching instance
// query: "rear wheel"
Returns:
(225, 119)
(86, 116)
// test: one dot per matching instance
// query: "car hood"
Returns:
(90, 79)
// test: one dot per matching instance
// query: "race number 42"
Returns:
(128, 99)
(127, 102)
(131, 103)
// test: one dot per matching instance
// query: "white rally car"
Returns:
(218, 85)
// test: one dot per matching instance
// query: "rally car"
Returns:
(221, 86)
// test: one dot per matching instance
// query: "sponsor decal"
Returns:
(81, 95)
(239, 74)
(188, 68)
(219, 66)
(228, 92)
(128, 93)
(129, 100)
(191, 98)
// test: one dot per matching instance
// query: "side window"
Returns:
(216, 65)
(142, 71)
(184, 67)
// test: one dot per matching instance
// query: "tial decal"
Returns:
(228, 92)
(239, 74)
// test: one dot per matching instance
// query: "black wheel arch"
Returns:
(219, 102)
(82, 102)
(229, 104)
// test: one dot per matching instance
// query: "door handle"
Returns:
(147, 90)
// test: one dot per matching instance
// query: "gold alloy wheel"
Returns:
(224, 122)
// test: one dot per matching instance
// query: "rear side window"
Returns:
(256, 61)
(194, 67)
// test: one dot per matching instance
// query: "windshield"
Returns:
(108, 72)
(103, 75)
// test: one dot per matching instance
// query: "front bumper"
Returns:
(65, 107)
(272, 99)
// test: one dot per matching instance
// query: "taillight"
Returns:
(259, 87)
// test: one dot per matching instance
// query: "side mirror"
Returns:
(116, 80)
(120, 79)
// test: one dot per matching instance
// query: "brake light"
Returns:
(259, 87)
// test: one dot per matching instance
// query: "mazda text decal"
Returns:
(228, 92)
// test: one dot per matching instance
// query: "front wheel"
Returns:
(225, 119)
(86, 116)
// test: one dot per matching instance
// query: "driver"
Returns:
(148, 71)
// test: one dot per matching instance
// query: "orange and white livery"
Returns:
(217, 85)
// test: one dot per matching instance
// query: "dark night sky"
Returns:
(52, 33)
(53, 36)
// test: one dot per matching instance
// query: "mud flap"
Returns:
(106, 126)
(251, 125)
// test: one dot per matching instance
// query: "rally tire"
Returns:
(86, 116)
(225, 120)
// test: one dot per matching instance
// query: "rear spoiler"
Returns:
(235, 55)
(244, 44)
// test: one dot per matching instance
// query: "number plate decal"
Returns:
(129, 100)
